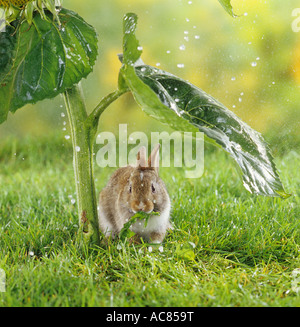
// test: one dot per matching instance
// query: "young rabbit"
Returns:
(132, 189)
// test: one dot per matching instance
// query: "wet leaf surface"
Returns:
(42, 60)
(178, 103)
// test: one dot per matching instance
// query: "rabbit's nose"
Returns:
(141, 206)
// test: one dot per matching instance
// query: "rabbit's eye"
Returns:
(130, 189)
(153, 188)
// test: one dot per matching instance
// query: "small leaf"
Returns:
(42, 60)
(185, 251)
(126, 232)
(226, 4)
(131, 47)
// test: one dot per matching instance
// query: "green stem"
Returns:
(83, 130)
(94, 116)
(83, 164)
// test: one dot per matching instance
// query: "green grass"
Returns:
(228, 248)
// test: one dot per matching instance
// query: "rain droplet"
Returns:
(197, 37)
(73, 201)
(182, 47)
(233, 78)
(180, 65)
(253, 63)
(77, 148)
(140, 48)
(150, 248)
(62, 114)
(240, 99)
(161, 249)
(67, 137)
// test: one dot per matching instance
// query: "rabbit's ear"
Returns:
(153, 160)
(141, 160)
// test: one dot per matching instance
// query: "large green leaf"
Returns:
(43, 60)
(180, 101)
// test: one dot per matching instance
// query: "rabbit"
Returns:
(132, 189)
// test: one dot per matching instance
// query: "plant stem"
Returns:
(83, 130)
(94, 116)
(83, 164)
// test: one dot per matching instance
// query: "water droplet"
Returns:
(140, 48)
(62, 114)
(67, 137)
(73, 201)
(161, 249)
(233, 78)
(240, 99)
(150, 248)
(197, 37)
(257, 58)
(182, 47)
(168, 51)
(186, 32)
(253, 63)
(77, 148)
(157, 64)
(31, 253)
(180, 65)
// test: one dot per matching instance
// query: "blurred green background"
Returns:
(250, 63)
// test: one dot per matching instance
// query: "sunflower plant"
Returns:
(45, 50)
(23, 9)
